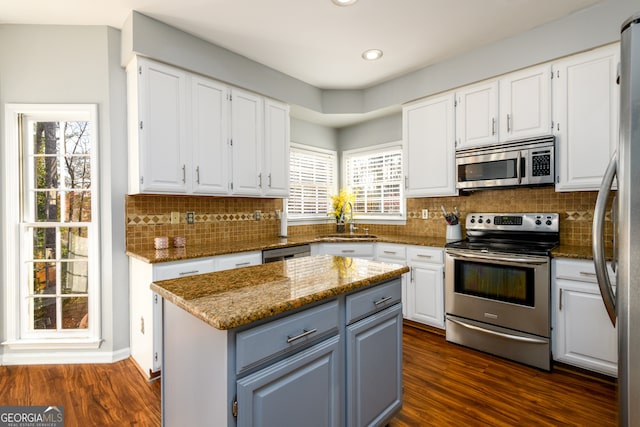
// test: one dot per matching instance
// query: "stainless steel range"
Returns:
(497, 286)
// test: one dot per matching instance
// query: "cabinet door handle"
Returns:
(508, 122)
(560, 300)
(184, 174)
(406, 182)
(493, 126)
(382, 300)
(305, 332)
(269, 180)
(260, 180)
(198, 174)
(348, 251)
(424, 256)
(184, 273)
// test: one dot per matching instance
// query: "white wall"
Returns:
(307, 133)
(79, 64)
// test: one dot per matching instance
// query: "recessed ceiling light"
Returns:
(372, 54)
(344, 2)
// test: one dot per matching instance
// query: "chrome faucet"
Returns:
(352, 226)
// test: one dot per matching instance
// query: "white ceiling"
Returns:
(314, 40)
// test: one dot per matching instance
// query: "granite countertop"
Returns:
(578, 252)
(232, 298)
(229, 247)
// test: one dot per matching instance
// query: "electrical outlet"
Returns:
(257, 215)
(175, 217)
(191, 217)
(425, 213)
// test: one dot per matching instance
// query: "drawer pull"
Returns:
(241, 264)
(424, 256)
(390, 252)
(183, 273)
(588, 274)
(302, 335)
(382, 300)
(348, 251)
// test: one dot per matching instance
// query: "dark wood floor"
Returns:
(444, 385)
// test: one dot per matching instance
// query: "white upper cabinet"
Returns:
(477, 115)
(193, 135)
(158, 152)
(585, 105)
(429, 151)
(210, 136)
(276, 152)
(247, 137)
(525, 103)
(515, 106)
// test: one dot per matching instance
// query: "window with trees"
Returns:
(56, 215)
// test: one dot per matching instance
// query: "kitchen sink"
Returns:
(348, 237)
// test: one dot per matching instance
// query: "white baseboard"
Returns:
(63, 357)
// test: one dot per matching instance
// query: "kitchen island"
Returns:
(306, 341)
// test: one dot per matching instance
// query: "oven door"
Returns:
(498, 169)
(507, 290)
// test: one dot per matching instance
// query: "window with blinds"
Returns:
(375, 177)
(312, 181)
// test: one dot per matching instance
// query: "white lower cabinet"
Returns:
(351, 250)
(582, 335)
(145, 305)
(425, 287)
(395, 254)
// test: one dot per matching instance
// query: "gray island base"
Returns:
(330, 354)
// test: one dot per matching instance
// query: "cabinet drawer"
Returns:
(391, 252)
(367, 302)
(276, 338)
(424, 255)
(362, 250)
(227, 262)
(174, 270)
(583, 271)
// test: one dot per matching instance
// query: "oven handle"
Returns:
(499, 334)
(496, 257)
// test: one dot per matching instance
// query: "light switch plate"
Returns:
(175, 217)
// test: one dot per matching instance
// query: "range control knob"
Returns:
(473, 220)
(489, 221)
(548, 222)
(538, 222)
(480, 221)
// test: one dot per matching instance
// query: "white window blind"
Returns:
(312, 181)
(375, 177)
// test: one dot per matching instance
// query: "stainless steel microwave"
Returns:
(519, 163)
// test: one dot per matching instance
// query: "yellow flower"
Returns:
(338, 201)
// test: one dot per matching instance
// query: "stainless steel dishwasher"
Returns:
(272, 255)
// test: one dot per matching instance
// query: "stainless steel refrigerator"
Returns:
(623, 305)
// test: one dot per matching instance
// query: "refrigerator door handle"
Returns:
(604, 283)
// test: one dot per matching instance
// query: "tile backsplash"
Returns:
(229, 218)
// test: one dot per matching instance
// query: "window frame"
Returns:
(319, 218)
(395, 219)
(18, 334)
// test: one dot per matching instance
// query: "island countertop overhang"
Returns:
(233, 298)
